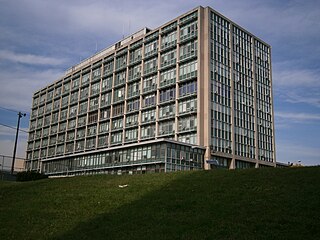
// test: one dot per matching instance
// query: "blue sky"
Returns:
(40, 39)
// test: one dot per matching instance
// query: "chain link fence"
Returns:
(5, 167)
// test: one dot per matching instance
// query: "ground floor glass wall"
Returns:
(155, 157)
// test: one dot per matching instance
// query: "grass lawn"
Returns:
(218, 204)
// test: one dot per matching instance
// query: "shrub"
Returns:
(30, 176)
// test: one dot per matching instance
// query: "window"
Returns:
(116, 137)
(121, 61)
(96, 73)
(151, 48)
(150, 66)
(47, 120)
(134, 72)
(167, 95)
(53, 140)
(104, 113)
(56, 93)
(93, 117)
(83, 107)
(135, 55)
(118, 94)
(188, 138)
(46, 131)
(169, 40)
(85, 79)
(61, 138)
(108, 68)
(167, 111)
(167, 127)
(55, 117)
(82, 121)
(149, 83)
(106, 99)
(74, 96)
(188, 31)
(75, 83)
(188, 50)
(131, 134)
(62, 126)
(104, 127)
(132, 120)
(168, 77)
(70, 136)
(168, 58)
(188, 123)
(84, 92)
(148, 116)
(90, 143)
(39, 122)
(69, 147)
(80, 133)
(95, 88)
(103, 141)
(120, 78)
(41, 110)
(107, 83)
(79, 145)
(118, 110)
(149, 100)
(45, 142)
(56, 105)
(188, 70)
(64, 101)
(91, 130)
(94, 103)
(117, 123)
(66, 87)
(186, 106)
(50, 95)
(63, 114)
(133, 105)
(48, 107)
(148, 131)
(187, 89)
(133, 89)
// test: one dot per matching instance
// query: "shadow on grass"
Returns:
(214, 205)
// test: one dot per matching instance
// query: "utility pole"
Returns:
(20, 115)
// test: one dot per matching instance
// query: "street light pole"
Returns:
(20, 115)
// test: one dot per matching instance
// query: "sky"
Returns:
(41, 39)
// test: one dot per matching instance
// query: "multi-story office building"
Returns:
(193, 93)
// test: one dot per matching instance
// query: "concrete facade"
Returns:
(199, 82)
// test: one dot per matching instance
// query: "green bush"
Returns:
(30, 176)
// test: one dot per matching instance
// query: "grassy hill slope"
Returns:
(242, 204)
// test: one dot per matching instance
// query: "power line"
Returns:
(12, 127)
(12, 110)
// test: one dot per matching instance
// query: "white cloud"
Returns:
(298, 117)
(17, 92)
(303, 97)
(292, 152)
(6, 132)
(29, 58)
(296, 85)
(292, 77)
